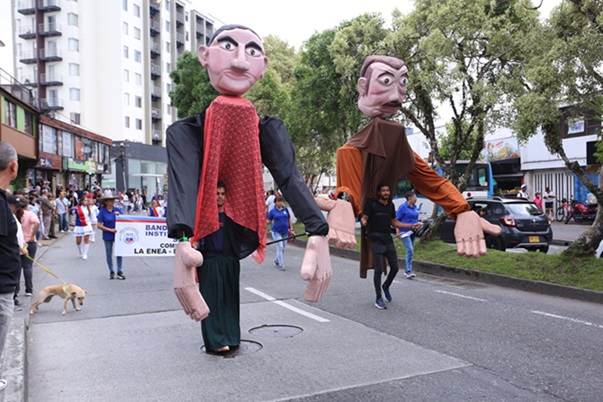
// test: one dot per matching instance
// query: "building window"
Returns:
(167, 26)
(136, 10)
(10, 113)
(186, 36)
(168, 47)
(126, 52)
(124, 5)
(138, 101)
(29, 123)
(137, 56)
(168, 87)
(125, 28)
(138, 124)
(138, 78)
(136, 33)
(68, 142)
(168, 110)
(73, 44)
(168, 67)
(127, 122)
(127, 99)
(74, 69)
(49, 140)
(126, 76)
(75, 119)
(74, 94)
(72, 19)
(167, 5)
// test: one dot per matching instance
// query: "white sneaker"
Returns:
(84, 257)
(3, 384)
(92, 240)
(28, 294)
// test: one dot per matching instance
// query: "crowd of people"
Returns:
(548, 197)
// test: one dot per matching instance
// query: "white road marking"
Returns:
(458, 295)
(590, 324)
(286, 305)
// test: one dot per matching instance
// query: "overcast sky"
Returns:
(292, 22)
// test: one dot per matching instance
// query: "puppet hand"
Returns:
(185, 262)
(316, 268)
(341, 222)
(469, 234)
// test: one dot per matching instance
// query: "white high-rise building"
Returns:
(105, 65)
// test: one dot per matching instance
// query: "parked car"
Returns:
(523, 223)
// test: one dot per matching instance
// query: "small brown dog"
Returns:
(66, 291)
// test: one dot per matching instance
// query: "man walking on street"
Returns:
(380, 216)
(9, 247)
(47, 213)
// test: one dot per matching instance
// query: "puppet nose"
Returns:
(240, 61)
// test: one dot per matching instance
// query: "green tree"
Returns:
(565, 69)
(192, 91)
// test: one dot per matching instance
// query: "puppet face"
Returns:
(235, 61)
(382, 94)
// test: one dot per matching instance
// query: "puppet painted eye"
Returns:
(227, 45)
(404, 81)
(386, 80)
(253, 52)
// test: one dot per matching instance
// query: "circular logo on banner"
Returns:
(128, 235)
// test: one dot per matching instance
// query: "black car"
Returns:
(523, 223)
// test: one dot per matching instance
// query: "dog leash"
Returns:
(65, 287)
(287, 238)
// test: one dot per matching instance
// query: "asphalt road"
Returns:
(438, 340)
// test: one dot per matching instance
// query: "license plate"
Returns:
(534, 239)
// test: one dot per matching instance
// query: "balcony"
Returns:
(155, 49)
(30, 80)
(179, 39)
(155, 28)
(155, 71)
(198, 30)
(49, 104)
(27, 32)
(50, 55)
(155, 114)
(28, 57)
(179, 19)
(46, 6)
(155, 93)
(26, 7)
(51, 80)
(157, 137)
(48, 29)
(154, 6)
(20, 91)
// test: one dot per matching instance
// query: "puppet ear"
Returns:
(202, 54)
(362, 85)
(265, 66)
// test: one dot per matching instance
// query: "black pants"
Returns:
(388, 251)
(27, 268)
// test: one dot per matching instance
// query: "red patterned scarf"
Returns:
(231, 154)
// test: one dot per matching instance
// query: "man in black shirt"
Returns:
(380, 216)
(10, 256)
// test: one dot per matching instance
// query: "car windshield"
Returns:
(525, 209)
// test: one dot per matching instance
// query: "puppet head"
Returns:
(382, 86)
(234, 59)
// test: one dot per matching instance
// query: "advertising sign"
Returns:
(143, 236)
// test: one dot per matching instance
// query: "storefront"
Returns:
(138, 166)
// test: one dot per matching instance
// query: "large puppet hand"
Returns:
(316, 268)
(185, 262)
(341, 222)
(469, 234)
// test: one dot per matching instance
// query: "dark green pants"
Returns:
(219, 286)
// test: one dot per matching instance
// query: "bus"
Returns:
(481, 183)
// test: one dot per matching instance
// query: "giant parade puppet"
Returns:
(227, 143)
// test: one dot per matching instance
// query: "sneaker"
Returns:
(410, 275)
(17, 302)
(281, 268)
(388, 296)
(380, 304)
(120, 275)
(28, 294)
(112, 275)
(3, 384)
(84, 256)
(276, 263)
(92, 241)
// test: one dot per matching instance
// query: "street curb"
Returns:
(15, 362)
(546, 288)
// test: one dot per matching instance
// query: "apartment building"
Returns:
(105, 65)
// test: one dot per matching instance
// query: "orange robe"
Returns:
(380, 153)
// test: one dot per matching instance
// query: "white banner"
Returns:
(143, 236)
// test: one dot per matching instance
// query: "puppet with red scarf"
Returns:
(228, 142)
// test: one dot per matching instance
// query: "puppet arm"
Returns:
(279, 157)
(340, 217)
(469, 229)
(185, 262)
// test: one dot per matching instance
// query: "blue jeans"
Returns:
(280, 247)
(7, 309)
(63, 222)
(109, 254)
(409, 245)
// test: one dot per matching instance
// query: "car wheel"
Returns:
(495, 242)
(544, 249)
(532, 250)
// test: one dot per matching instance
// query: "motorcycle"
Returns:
(581, 212)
